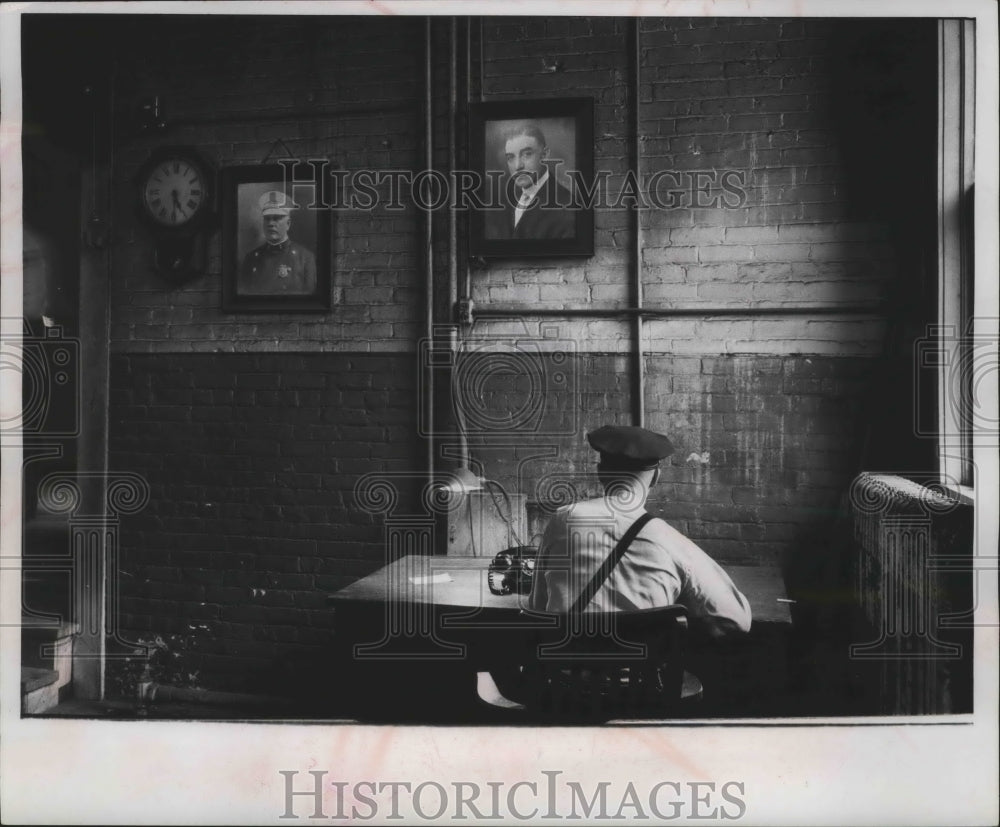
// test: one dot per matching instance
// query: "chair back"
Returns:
(601, 665)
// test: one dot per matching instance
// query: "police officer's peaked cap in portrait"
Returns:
(275, 202)
(629, 448)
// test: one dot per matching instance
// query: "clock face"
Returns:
(174, 192)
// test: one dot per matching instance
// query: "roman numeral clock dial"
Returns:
(174, 193)
(175, 189)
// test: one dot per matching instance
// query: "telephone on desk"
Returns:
(512, 570)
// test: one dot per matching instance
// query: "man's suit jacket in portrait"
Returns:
(550, 215)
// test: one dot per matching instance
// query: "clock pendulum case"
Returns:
(176, 190)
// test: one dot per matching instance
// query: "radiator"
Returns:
(913, 587)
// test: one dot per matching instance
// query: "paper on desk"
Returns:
(427, 579)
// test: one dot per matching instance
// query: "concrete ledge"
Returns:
(33, 678)
(49, 629)
(39, 690)
(50, 648)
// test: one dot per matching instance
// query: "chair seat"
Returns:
(615, 665)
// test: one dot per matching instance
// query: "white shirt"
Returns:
(660, 568)
(527, 196)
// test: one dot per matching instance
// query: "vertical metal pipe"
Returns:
(482, 61)
(468, 61)
(426, 372)
(639, 376)
(465, 284)
(453, 289)
(465, 287)
(452, 163)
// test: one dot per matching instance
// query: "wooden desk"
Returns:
(468, 589)
(418, 645)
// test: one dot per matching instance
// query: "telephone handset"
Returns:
(512, 570)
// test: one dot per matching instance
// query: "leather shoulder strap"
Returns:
(609, 564)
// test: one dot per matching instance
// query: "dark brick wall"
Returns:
(253, 429)
(764, 445)
(764, 448)
(252, 460)
(768, 411)
(223, 90)
(768, 102)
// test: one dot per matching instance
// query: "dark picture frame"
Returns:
(258, 277)
(558, 221)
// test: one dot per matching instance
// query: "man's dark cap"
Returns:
(629, 448)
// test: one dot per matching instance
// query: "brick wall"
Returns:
(758, 99)
(763, 444)
(252, 462)
(225, 98)
(768, 411)
(251, 428)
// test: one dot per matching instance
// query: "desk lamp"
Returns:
(461, 485)
(463, 481)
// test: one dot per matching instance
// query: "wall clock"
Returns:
(176, 193)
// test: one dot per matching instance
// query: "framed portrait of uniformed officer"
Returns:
(276, 241)
(535, 163)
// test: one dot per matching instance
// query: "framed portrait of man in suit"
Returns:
(535, 166)
(275, 241)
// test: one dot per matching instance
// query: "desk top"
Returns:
(466, 586)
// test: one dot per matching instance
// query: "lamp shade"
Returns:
(462, 481)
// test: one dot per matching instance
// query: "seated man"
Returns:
(659, 568)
